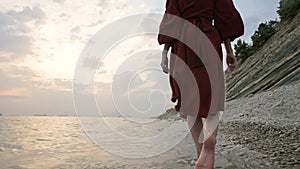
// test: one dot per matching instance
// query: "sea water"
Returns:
(47, 141)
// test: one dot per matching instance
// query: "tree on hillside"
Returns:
(288, 8)
(263, 33)
(242, 50)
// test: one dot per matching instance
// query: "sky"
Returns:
(43, 44)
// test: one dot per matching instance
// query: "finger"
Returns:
(164, 68)
(232, 64)
(163, 65)
(232, 67)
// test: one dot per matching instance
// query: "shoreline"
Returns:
(255, 132)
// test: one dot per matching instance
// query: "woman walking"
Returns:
(221, 23)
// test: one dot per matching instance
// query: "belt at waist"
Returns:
(205, 24)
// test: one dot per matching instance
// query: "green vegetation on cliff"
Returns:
(265, 30)
(287, 9)
(274, 64)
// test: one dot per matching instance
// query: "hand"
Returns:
(164, 62)
(231, 61)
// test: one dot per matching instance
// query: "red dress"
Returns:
(218, 20)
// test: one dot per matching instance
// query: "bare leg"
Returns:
(195, 126)
(210, 128)
(207, 156)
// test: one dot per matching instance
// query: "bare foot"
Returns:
(205, 161)
(207, 157)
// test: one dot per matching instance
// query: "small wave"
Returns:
(42, 139)
(4, 146)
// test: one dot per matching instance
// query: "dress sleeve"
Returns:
(227, 20)
(170, 24)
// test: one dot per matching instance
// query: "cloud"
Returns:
(20, 77)
(150, 23)
(27, 14)
(141, 96)
(10, 78)
(25, 92)
(59, 1)
(16, 41)
(76, 34)
(138, 89)
(251, 24)
(109, 8)
(91, 63)
(14, 45)
(63, 17)
(41, 101)
(103, 3)
(14, 92)
(76, 29)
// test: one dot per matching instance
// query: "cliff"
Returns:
(274, 64)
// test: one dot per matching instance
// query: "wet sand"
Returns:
(181, 157)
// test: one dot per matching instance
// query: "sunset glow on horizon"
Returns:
(41, 42)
